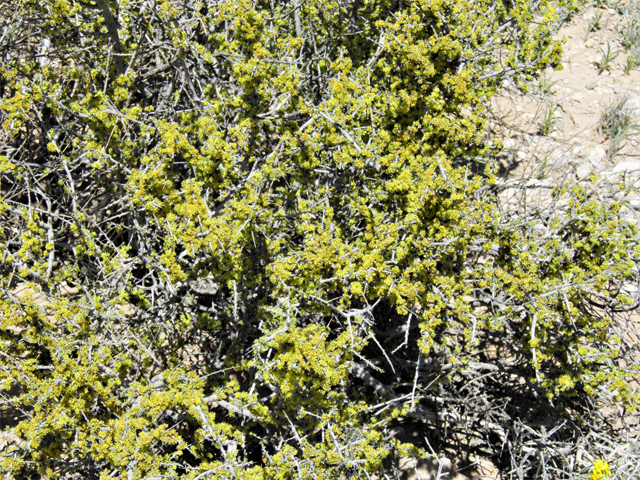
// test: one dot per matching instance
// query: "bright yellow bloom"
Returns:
(600, 470)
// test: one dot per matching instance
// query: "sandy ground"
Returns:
(575, 146)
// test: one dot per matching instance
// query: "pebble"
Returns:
(595, 162)
(598, 154)
(584, 170)
(540, 229)
(509, 143)
(561, 162)
(626, 167)
(634, 102)
(534, 182)
(635, 203)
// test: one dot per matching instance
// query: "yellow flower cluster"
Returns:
(600, 470)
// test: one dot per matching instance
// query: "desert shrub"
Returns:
(244, 239)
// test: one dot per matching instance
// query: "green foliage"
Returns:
(618, 122)
(279, 235)
(629, 34)
(607, 58)
(549, 120)
(593, 24)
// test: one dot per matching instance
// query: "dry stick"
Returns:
(232, 408)
(296, 17)
(376, 56)
(415, 383)
(406, 335)
(335, 442)
(112, 28)
(50, 240)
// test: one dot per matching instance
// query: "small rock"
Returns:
(521, 155)
(635, 203)
(599, 152)
(509, 143)
(127, 310)
(626, 167)
(534, 182)
(65, 290)
(540, 229)
(561, 162)
(577, 96)
(584, 170)
(595, 161)
(576, 150)
(634, 102)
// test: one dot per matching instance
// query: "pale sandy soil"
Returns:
(575, 147)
